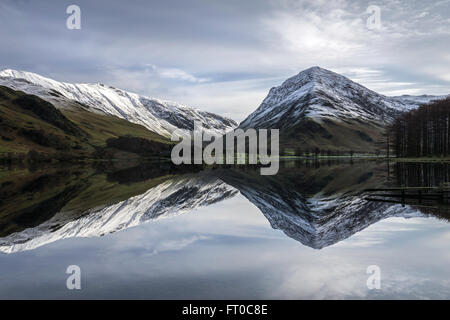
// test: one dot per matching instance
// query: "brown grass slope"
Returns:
(30, 123)
(336, 136)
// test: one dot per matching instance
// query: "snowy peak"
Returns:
(170, 198)
(32, 78)
(317, 220)
(317, 94)
(316, 76)
(162, 117)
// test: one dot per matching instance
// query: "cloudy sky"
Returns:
(224, 56)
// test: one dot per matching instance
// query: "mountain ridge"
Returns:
(310, 208)
(159, 116)
(29, 123)
(314, 82)
(315, 109)
(321, 109)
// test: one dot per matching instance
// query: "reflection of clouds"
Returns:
(339, 280)
(412, 254)
(329, 280)
(175, 244)
(380, 232)
(233, 217)
(228, 250)
(392, 229)
(340, 271)
(152, 240)
(414, 286)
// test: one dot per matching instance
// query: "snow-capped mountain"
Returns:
(418, 100)
(167, 199)
(319, 94)
(316, 221)
(159, 116)
(321, 222)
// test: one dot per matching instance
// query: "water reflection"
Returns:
(49, 205)
(317, 203)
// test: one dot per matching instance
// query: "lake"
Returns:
(156, 231)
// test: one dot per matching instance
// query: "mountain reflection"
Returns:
(317, 203)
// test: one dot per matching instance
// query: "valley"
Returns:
(317, 112)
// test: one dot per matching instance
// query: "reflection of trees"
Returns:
(425, 174)
(317, 203)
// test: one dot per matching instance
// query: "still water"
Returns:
(159, 232)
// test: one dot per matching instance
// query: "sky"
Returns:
(224, 56)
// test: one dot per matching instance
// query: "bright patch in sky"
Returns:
(224, 56)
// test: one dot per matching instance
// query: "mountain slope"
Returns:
(170, 196)
(28, 122)
(161, 117)
(321, 109)
(317, 207)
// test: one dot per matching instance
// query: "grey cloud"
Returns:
(194, 45)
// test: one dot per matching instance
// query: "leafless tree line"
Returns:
(422, 132)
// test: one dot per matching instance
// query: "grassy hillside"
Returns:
(103, 127)
(334, 136)
(30, 123)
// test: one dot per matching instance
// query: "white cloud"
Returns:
(406, 56)
(200, 57)
(178, 74)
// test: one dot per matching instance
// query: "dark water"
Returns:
(158, 231)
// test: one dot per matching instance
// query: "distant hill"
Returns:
(28, 122)
(161, 117)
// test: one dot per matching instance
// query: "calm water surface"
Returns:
(157, 232)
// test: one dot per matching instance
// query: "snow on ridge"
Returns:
(160, 116)
(171, 198)
(317, 93)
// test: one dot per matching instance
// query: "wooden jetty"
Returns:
(411, 195)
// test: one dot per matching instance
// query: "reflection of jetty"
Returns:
(411, 195)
